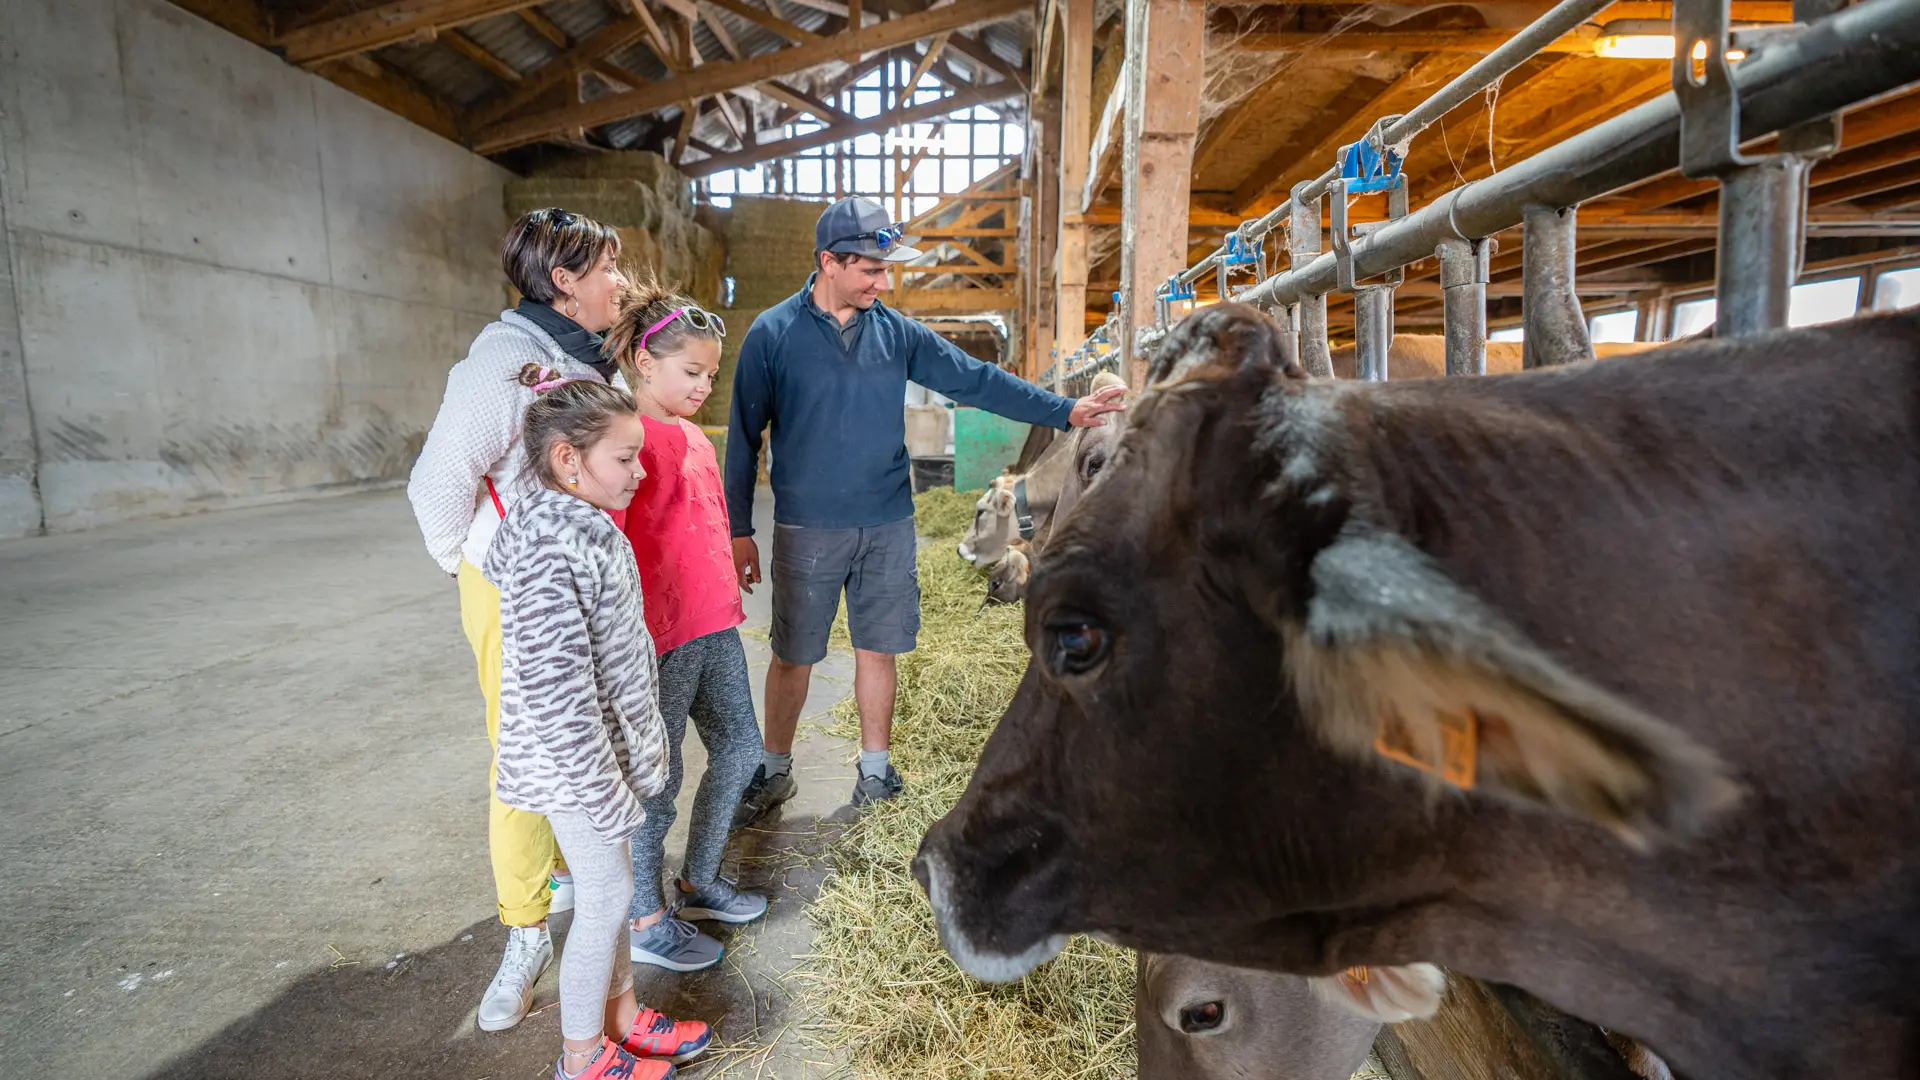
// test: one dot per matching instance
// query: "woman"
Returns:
(472, 469)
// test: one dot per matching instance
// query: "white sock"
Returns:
(873, 763)
(775, 764)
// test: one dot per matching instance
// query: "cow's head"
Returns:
(1007, 579)
(1196, 1020)
(994, 525)
(1220, 633)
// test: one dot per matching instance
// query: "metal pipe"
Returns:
(1865, 50)
(1465, 266)
(1550, 315)
(1762, 207)
(1303, 244)
(1372, 331)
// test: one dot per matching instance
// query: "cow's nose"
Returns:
(964, 553)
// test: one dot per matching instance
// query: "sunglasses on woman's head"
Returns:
(558, 217)
(700, 320)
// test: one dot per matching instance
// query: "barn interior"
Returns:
(243, 241)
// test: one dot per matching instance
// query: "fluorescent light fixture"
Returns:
(1646, 39)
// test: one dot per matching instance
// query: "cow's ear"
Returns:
(1218, 341)
(1001, 499)
(1396, 660)
(1388, 995)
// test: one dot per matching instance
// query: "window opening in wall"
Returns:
(1613, 326)
(1819, 302)
(909, 168)
(1691, 317)
(1897, 290)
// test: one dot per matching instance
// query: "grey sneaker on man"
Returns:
(676, 945)
(873, 789)
(763, 794)
(720, 901)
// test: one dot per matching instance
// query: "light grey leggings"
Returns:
(595, 968)
(707, 678)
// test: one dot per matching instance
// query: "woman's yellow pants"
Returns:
(521, 844)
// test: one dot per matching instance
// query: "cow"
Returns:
(1195, 1020)
(1424, 356)
(1021, 505)
(1007, 579)
(1598, 681)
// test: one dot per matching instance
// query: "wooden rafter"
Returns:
(766, 22)
(471, 49)
(984, 95)
(976, 51)
(935, 47)
(392, 92)
(733, 75)
(543, 26)
(802, 102)
(386, 24)
(604, 42)
(1289, 166)
(1364, 40)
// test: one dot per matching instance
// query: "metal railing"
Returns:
(1793, 80)
(1076, 370)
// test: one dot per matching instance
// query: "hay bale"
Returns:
(889, 997)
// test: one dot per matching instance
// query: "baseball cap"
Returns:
(861, 227)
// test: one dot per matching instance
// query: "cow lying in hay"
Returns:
(1647, 627)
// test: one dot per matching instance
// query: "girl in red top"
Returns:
(669, 349)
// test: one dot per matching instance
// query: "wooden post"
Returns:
(1076, 132)
(1166, 40)
(1043, 213)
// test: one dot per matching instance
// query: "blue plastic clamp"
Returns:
(1366, 170)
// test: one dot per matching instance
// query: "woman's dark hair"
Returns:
(543, 240)
(642, 304)
(578, 412)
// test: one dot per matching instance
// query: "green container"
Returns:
(983, 446)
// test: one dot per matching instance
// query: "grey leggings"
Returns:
(705, 678)
(595, 967)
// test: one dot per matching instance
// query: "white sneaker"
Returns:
(562, 889)
(510, 994)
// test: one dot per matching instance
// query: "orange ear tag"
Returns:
(1357, 975)
(1459, 747)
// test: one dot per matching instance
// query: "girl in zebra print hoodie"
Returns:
(581, 739)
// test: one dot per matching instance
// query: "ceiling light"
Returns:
(1646, 39)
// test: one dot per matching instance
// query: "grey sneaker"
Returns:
(674, 945)
(873, 789)
(721, 901)
(763, 794)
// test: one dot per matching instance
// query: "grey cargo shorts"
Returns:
(874, 565)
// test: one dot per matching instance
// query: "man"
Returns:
(828, 368)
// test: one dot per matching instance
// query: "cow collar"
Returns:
(1021, 515)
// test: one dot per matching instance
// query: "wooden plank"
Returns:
(1076, 101)
(716, 78)
(471, 49)
(603, 42)
(915, 301)
(1363, 41)
(1288, 166)
(387, 24)
(767, 22)
(977, 51)
(683, 141)
(802, 102)
(543, 26)
(914, 114)
(718, 26)
(662, 45)
(935, 46)
(1103, 156)
(1166, 51)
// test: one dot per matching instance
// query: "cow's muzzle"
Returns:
(998, 935)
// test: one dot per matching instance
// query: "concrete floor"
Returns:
(243, 764)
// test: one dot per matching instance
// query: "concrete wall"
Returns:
(234, 282)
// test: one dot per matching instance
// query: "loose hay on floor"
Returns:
(884, 991)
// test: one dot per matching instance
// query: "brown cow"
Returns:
(1424, 356)
(1195, 1020)
(1601, 600)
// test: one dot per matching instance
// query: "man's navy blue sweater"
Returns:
(838, 417)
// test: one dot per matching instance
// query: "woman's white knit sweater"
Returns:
(477, 435)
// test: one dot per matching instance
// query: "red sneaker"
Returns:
(655, 1036)
(615, 1063)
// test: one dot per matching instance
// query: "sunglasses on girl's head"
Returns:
(702, 321)
(560, 218)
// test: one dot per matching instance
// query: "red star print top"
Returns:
(677, 524)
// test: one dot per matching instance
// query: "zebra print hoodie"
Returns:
(580, 727)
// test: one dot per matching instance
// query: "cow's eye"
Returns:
(1077, 646)
(1195, 1019)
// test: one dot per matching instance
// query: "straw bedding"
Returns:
(887, 998)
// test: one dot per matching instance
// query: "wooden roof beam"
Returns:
(767, 22)
(734, 75)
(913, 114)
(543, 26)
(386, 24)
(394, 93)
(471, 49)
(603, 43)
